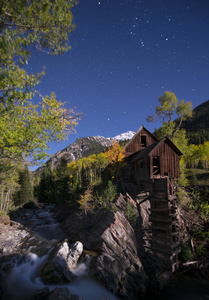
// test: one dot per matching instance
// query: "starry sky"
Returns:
(125, 54)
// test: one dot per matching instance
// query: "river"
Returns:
(22, 282)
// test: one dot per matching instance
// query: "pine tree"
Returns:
(61, 182)
(46, 186)
(25, 193)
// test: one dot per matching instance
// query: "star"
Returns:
(141, 42)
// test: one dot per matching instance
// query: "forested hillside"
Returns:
(86, 146)
(197, 127)
(82, 147)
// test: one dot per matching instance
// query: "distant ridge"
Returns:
(84, 147)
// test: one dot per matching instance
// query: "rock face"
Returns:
(11, 239)
(117, 265)
(61, 262)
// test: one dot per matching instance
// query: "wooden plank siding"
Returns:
(165, 156)
(136, 142)
(141, 169)
(169, 161)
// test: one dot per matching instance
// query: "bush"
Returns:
(202, 237)
(86, 200)
(186, 253)
(107, 195)
(4, 219)
(130, 214)
(194, 179)
(110, 192)
(181, 194)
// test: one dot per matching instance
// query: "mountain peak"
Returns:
(124, 136)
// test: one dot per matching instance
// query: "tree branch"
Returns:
(178, 127)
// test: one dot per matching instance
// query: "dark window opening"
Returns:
(142, 165)
(156, 165)
(143, 141)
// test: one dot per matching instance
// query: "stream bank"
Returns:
(20, 267)
(19, 280)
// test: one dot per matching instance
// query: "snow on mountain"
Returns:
(105, 142)
(124, 136)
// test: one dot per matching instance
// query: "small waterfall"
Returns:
(81, 270)
(86, 287)
(22, 282)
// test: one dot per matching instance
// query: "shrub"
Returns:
(130, 214)
(186, 253)
(86, 200)
(181, 194)
(106, 197)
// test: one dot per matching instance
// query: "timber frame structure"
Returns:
(151, 167)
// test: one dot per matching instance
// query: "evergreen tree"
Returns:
(61, 182)
(25, 193)
(46, 186)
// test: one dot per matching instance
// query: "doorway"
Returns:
(156, 166)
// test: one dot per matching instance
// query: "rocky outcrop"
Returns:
(11, 239)
(59, 266)
(117, 264)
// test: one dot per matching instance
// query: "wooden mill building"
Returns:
(151, 167)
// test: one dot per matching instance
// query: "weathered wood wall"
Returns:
(141, 169)
(136, 145)
(169, 161)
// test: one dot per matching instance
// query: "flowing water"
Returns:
(22, 282)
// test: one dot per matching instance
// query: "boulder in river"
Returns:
(117, 266)
(62, 260)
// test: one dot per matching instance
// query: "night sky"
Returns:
(125, 54)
